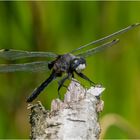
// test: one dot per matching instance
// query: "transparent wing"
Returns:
(107, 37)
(32, 67)
(98, 49)
(11, 54)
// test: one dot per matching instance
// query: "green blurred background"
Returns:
(60, 27)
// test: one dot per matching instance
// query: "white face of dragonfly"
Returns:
(81, 65)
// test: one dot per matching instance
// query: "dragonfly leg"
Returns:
(72, 74)
(65, 86)
(85, 77)
(75, 81)
(61, 83)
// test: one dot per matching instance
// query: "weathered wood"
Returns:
(75, 118)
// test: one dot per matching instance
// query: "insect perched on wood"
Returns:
(67, 63)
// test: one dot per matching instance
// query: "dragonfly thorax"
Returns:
(68, 63)
(62, 63)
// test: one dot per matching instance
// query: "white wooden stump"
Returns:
(74, 119)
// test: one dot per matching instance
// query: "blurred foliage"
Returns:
(60, 27)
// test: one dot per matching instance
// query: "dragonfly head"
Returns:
(79, 64)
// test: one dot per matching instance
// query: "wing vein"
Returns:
(11, 54)
(98, 48)
(32, 67)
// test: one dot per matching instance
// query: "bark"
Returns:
(72, 119)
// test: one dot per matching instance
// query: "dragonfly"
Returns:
(70, 63)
